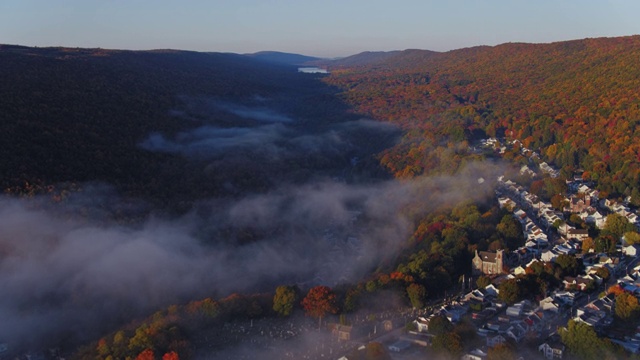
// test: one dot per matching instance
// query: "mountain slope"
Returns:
(361, 59)
(577, 101)
(78, 115)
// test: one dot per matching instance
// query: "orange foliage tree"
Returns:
(146, 355)
(319, 301)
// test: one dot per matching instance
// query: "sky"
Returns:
(327, 28)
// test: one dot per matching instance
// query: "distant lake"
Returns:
(312, 70)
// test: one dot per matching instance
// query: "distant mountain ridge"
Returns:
(282, 57)
(360, 59)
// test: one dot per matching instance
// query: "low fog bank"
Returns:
(67, 277)
(241, 147)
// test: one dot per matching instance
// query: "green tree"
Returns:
(376, 351)
(511, 230)
(120, 343)
(603, 272)
(569, 265)
(417, 295)
(141, 340)
(351, 300)
(583, 342)
(616, 225)
(439, 325)
(627, 308)
(371, 286)
(285, 299)
(605, 244)
(632, 237)
(510, 291)
(576, 220)
(483, 281)
(448, 343)
(588, 244)
(502, 351)
(466, 330)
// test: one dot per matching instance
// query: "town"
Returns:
(531, 325)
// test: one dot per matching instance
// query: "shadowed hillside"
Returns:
(126, 118)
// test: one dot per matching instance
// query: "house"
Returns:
(423, 340)
(477, 295)
(552, 348)
(518, 309)
(549, 170)
(549, 256)
(422, 324)
(491, 291)
(488, 263)
(605, 304)
(591, 318)
(515, 310)
(578, 234)
(519, 271)
(593, 217)
(520, 216)
(631, 345)
(453, 312)
(549, 304)
(475, 354)
(578, 283)
(484, 314)
(516, 332)
(399, 346)
(564, 297)
(631, 250)
(505, 202)
(526, 170)
(564, 228)
(495, 340)
(533, 323)
(566, 249)
(578, 204)
(342, 332)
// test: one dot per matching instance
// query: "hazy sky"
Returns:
(322, 28)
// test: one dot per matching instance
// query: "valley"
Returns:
(172, 204)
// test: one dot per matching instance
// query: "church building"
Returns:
(488, 262)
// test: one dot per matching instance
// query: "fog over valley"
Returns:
(67, 277)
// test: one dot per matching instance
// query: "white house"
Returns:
(631, 250)
(422, 324)
(475, 354)
(552, 348)
(578, 234)
(548, 256)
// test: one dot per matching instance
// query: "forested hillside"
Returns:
(148, 121)
(576, 101)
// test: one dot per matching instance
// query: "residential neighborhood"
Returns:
(532, 325)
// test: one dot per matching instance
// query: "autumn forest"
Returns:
(228, 206)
